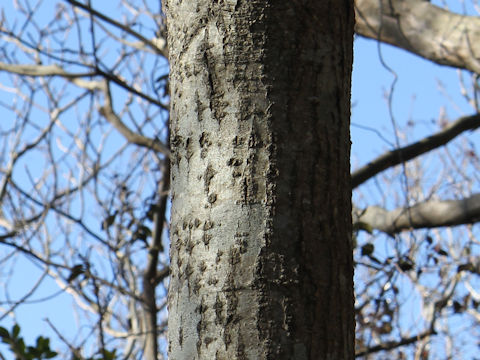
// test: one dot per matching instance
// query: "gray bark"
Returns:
(429, 214)
(423, 29)
(261, 252)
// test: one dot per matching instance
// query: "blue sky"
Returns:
(422, 93)
(417, 97)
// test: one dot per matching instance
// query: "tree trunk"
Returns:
(261, 253)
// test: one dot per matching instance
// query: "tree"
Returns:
(439, 264)
(84, 181)
(261, 257)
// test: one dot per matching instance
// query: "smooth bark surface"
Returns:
(422, 29)
(261, 252)
(428, 214)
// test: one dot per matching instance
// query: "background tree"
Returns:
(432, 273)
(85, 178)
(84, 184)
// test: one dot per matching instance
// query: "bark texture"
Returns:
(261, 253)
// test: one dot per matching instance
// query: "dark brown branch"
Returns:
(123, 84)
(76, 78)
(396, 157)
(28, 252)
(123, 27)
(165, 272)
(150, 276)
(51, 206)
(439, 305)
(390, 345)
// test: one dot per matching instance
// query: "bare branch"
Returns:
(153, 44)
(132, 137)
(429, 214)
(42, 70)
(65, 170)
(150, 275)
(390, 345)
(52, 70)
(55, 70)
(396, 157)
(423, 29)
(123, 84)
